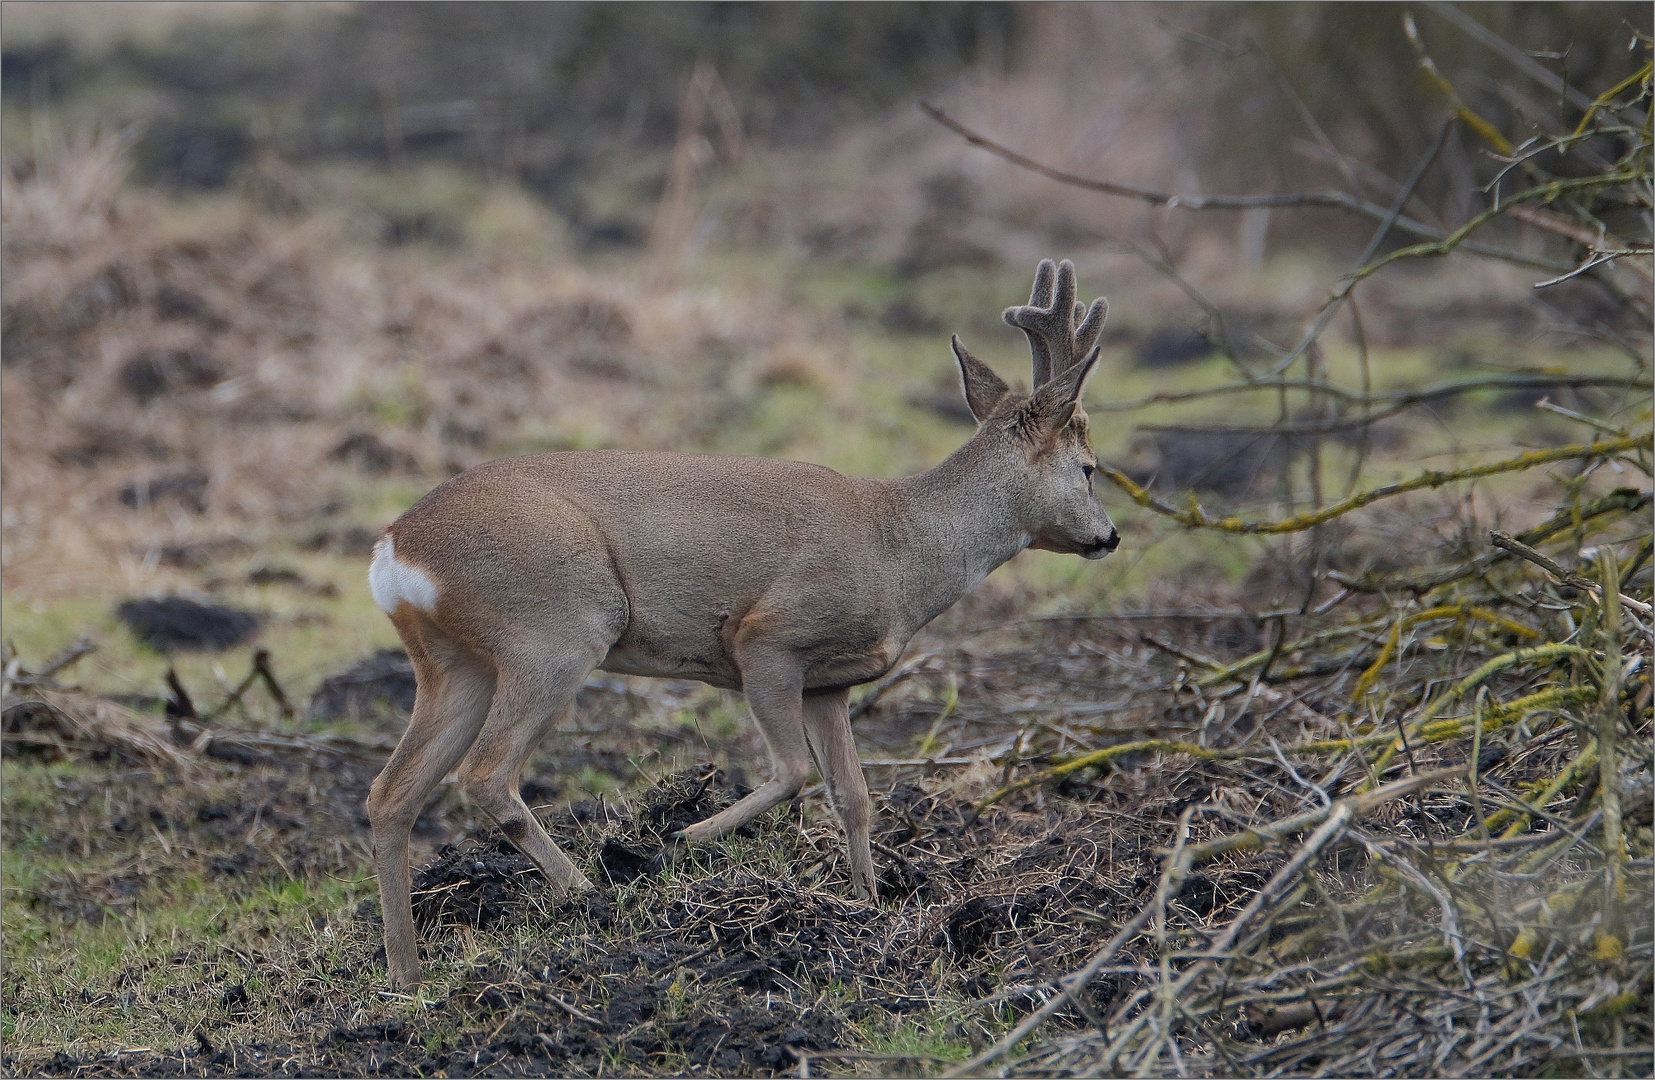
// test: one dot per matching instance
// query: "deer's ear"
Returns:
(983, 389)
(1052, 406)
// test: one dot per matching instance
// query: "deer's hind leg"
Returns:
(546, 611)
(536, 690)
(454, 691)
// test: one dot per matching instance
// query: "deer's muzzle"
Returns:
(1103, 545)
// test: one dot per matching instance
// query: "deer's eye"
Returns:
(1087, 469)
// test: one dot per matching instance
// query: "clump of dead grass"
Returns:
(256, 355)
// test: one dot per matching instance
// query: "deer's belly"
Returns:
(838, 670)
(825, 666)
(667, 660)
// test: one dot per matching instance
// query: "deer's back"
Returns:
(696, 546)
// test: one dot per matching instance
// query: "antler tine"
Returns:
(1044, 275)
(1040, 297)
(1065, 298)
(1091, 327)
(1049, 320)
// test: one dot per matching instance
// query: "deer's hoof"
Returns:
(404, 978)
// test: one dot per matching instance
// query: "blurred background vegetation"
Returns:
(570, 99)
(564, 99)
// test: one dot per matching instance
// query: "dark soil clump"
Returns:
(365, 451)
(1172, 346)
(685, 799)
(378, 685)
(477, 885)
(174, 622)
(187, 489)
(1231, 463)
(353, 540)
(154, 372)
(622, 864)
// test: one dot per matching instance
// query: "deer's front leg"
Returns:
(775, 688)
(827, 725)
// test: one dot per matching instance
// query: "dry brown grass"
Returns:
(248, 348)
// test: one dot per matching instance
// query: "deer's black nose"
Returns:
(1112, 541)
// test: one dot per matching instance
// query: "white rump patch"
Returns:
(393, 581)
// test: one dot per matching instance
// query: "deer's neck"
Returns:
(958, 522)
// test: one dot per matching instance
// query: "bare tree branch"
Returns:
(1519, 381)
(1332, 200)
(1514, 56)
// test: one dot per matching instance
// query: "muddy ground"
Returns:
(746, 955)
(727, 966)
(251, 867)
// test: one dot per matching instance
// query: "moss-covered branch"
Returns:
(1196, 518)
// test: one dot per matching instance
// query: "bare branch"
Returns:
(1195, 517)
(1516, 57)
(1436, 391)
(1332, 200)
(1523, 551)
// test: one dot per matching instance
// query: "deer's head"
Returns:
(1041, 440)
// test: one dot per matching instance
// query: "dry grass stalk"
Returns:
(675, 214)
(67, 719)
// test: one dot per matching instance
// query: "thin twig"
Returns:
(1510, 543)
(1413, 396)
(1197, 518)
(1335, 200)
(76, 649)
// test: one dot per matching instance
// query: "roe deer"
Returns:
(510, 582)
